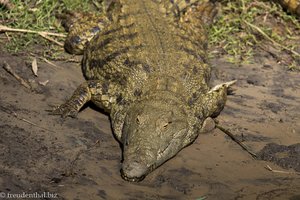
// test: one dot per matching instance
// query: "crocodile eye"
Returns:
(167, 124)
(75, 39)
(138, 120)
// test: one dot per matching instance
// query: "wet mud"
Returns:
(284, 156)
(80, 158)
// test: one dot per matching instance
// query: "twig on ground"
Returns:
(14, 74)
(97, 5)
(280, 171)
(49, 62)
(227, 132)
(45, 60)
(13, 113)
(270, 39)
(51, 39)
(43, 34)
(8, 29)
(202, 198)
(8, 37)
(257, 4)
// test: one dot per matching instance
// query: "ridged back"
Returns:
(147, 43)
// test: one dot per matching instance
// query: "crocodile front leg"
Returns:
(96, 91)
(213, 102)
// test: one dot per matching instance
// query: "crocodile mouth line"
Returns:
(138, 179)
(132, 179)
(150, 169)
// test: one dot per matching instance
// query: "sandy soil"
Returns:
(80, 159)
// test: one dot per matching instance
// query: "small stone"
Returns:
(208, 125)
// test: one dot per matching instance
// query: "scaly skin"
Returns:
(148, 69)
(292, 5)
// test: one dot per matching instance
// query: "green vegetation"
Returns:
(38, 15)
(244, 25)
(241, 28)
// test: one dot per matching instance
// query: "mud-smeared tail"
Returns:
(204, 13)
(209, 11)
(292, 5)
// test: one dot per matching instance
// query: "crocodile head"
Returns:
(153, 132)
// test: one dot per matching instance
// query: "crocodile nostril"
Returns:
(133, 171)
(95, 30)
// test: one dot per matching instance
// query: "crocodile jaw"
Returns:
(153, 133)
(134, 171)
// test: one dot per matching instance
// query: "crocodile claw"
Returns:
(64, 111)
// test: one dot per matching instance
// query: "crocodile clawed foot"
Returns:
(64, 111)
(230, 90)
(227, 86)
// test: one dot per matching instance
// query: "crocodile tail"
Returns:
(292, 5)
(204, 13)
(208, 11)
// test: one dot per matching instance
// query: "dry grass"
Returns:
(244, 26)
(232, 34)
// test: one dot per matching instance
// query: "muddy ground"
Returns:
(80, 158)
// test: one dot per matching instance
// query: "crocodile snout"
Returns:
(134, 171)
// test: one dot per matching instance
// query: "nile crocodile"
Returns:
(146, 65)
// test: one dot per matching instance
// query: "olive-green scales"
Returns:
(145, 62)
